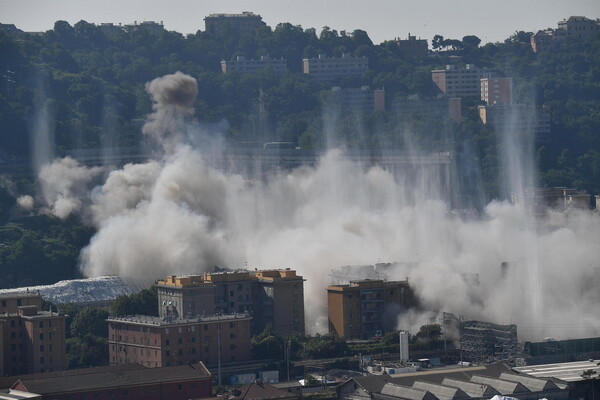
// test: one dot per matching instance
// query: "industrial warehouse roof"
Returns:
(260, 390)
(112, 378)
(455, 383)
(82, 291)
(569, 372)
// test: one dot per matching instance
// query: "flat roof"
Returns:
(569, 372)
(114, 378)
(146, 320)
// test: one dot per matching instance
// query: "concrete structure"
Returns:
(262, 390)
(329, 69)
(244, 66)
(413, 47)
(460, 82)
(517, 118)
(30, 340)
(362, 99)
(272, 297)
(542, 40)
(241, 24)
(497, 91)
(361, 309)
(121, 382)
(162, 342)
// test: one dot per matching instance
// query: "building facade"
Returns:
(460, 82)
(329, 69)
(261, 293)
(163, 342)
(360, 310)
(31, 341)
(242, 24)
(243, 65)
(497, 91)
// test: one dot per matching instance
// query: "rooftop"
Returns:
(569, 372)
(157, 321)
(113, 378)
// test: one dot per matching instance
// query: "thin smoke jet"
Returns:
(179, 215)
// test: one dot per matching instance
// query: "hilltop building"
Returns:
(152, 27)
(461, 82)
(329, 69)
(497, 91)
(413, 47)
(242, 24)
(272, 297)
(360, 309)
(575, 27)
(243, 65)
(162, 342)
(30, 340)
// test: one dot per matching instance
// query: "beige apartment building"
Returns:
(367, 308)
(31, 340)
(272, 297)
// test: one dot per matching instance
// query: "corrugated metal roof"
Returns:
(504, 387)
(533, 384)
(471, 388)
(441, 391)
(569, 372)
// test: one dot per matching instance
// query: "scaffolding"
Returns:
(487, 342)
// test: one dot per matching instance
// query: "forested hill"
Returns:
(88, 85)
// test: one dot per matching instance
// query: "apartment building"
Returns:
(367, 308)
(242, 23)
(262, 293)
(243, 65)
(497, 91)
(461, 82)
(575, 27)
(30, 340)
(162, 342)
(329, 69)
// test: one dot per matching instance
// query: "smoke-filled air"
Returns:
(175, 214)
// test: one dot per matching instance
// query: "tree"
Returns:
(470, 41)
(437, 42)
(142, 303)
(267, 345)
(90, 321)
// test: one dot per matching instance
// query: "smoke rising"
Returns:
(179, 215)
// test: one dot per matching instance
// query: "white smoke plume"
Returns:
(25, 202)
(65, 184)
(178, 215)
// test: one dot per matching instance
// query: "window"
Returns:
(205, 327)
(41, 360)
(41, 336)
(193, 339)
(180, 341)
(180, 387)
(41, 324)
(12, 323)
(41, 348)
(18, 302)
(167, 342)
(232, 324)
(3, 303)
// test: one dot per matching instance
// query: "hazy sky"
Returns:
(382, 19)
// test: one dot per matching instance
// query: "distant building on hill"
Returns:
(575, 27)
(517, 118)
(249, 66)
(497, 91)
(329, 69)
(242, 24)
(413, 47)
(461, 82)
(31, 340)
